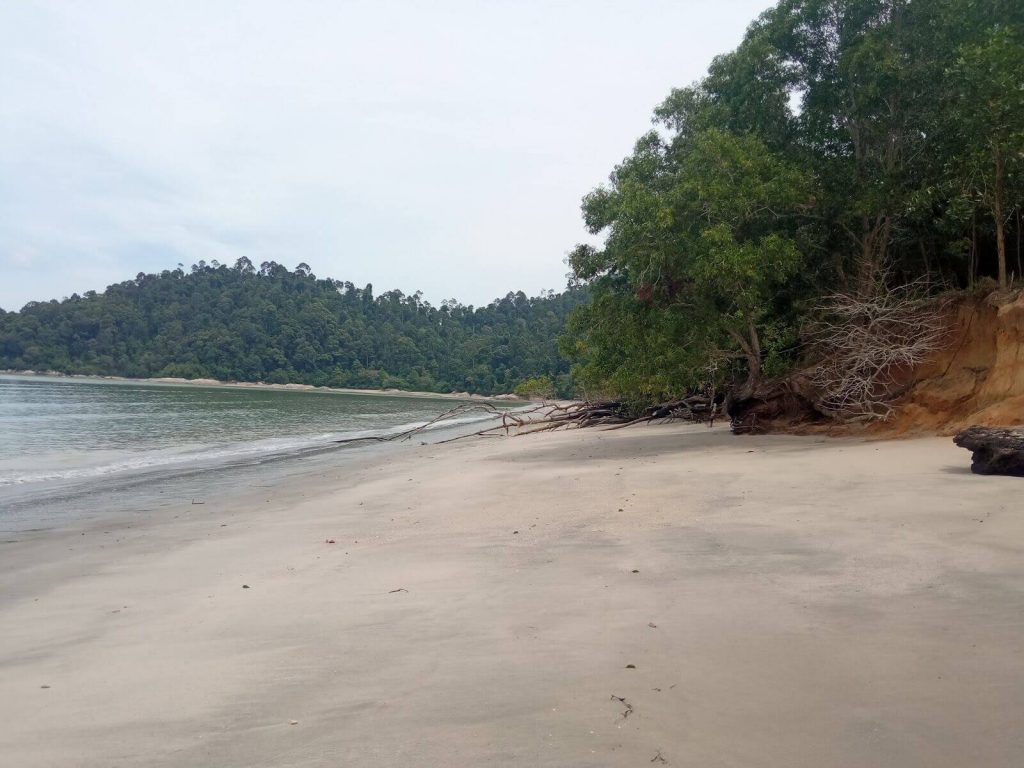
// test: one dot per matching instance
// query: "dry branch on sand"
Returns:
(610, 414)
(542, 417)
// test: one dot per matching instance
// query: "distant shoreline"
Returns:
(175, 381)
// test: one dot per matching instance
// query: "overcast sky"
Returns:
(439, 146)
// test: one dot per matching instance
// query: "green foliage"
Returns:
(842, 141)
(536, 388)
(625, 347)
(277, 326)
(701, 239)
(987, 117)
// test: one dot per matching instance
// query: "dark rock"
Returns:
(997, 450)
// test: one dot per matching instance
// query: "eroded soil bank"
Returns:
(979, 378)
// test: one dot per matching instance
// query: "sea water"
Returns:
(68, 439)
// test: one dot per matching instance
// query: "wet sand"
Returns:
(577, 599)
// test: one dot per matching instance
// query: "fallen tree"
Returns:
(541, 417)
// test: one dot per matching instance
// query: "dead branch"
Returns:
(446, 416)
(609, 414)
(542, 417)
(865, 342)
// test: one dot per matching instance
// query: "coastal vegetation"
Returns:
(849, 161)
(796, 221)
(268, 323)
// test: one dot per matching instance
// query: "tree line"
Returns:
(267, 323)
(845, 149)
(847, 152)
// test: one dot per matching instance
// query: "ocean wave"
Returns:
(226, 454)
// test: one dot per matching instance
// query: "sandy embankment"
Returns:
(784, 601)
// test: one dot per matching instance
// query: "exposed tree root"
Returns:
(863, 343)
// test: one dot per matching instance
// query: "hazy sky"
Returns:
(439, 146)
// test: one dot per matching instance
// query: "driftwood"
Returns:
(997, 451)
(550, 416)
(446, 416)
(578, 415)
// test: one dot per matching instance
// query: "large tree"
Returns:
(987, 116)
(846, 146)
(702, 234)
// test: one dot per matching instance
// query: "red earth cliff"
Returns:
(978, 378)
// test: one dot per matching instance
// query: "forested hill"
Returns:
(275, 325)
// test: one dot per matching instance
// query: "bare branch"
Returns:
(865, 342)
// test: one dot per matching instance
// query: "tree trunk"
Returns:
(866, 268)
(874, 245)
(753, 361)
(997, 211)
(751, 348)
(1020, 266)
(973, 256)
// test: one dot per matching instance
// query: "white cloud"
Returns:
(435, 146)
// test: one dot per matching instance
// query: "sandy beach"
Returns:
(663, 595)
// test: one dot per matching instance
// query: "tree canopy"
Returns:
(843, 147)
(270, 324)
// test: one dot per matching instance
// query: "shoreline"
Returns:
(572, 598)
(123, 479)
(174, 381)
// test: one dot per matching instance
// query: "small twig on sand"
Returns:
(400, 589)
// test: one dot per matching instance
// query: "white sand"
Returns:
(816, 604)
